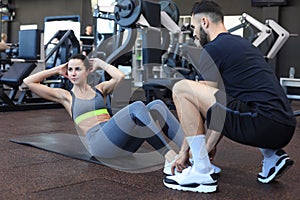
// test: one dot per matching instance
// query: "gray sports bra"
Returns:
(83, 109)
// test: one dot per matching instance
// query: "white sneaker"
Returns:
(217, 170)
(275, 166)
(192, 180)
(167, 168)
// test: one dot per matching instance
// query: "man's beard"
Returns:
(203, 37)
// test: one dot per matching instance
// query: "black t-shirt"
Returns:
(87, 39)
(245, 75)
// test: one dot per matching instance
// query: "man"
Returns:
(3, 45)
(87, 40)
(239, 96)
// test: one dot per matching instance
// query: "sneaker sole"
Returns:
(279, 171)
(201, 188)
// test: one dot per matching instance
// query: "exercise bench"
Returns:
(13, 78)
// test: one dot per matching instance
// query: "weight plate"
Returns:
(128, 12)
(125, 8)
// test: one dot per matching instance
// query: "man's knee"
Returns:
(180, 87)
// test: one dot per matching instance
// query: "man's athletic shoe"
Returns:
(167, 168)
(217, 170)
(275, 166)
(191, 180)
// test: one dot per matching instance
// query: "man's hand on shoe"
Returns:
(181, 162)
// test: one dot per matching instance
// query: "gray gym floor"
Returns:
(30, 173)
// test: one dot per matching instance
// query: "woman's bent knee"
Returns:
(155, 102)
(137, 105)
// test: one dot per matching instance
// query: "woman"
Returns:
(107, 137)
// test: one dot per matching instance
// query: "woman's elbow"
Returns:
(26, 82)
(121, 77)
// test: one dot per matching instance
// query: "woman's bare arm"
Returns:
(33, 82)
(116, 75)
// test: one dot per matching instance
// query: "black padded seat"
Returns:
(16, 73)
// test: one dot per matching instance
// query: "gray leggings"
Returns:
(129, 128)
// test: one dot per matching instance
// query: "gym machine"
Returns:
(265, 32)
(132, 14)
(160, 33)
(135, 19)
(29, 57)
(25, 59)
(66, 44)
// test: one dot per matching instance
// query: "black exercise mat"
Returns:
(71, 145)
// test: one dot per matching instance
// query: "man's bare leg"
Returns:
(192, 100)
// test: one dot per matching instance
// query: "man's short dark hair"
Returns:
(211, 8)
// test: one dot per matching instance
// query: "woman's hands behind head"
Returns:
(63, 70)
(97, 63)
